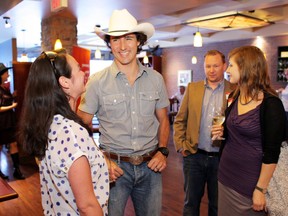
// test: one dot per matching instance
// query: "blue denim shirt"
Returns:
(212, 98)
(127, 120)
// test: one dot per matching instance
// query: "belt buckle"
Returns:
(136, 159)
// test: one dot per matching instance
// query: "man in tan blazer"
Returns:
(192, 134)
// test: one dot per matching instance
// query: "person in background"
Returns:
(192, 134)
(8, 123)
(283, 94)
(254, 130)
(179, 95)
(74, 176)
(130, 102)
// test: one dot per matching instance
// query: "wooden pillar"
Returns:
(62, 26)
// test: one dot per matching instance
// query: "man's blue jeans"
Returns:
(198, 170)
(144, 186)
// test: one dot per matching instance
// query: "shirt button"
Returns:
(115, 100)
(133, 112)
(134, 128)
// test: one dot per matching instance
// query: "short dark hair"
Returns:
(142, 38)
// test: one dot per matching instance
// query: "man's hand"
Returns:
(114, 170)
(158, 163)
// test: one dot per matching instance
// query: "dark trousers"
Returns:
(200, 170)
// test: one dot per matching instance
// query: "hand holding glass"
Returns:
(218, 119)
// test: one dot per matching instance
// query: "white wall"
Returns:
(98, 65)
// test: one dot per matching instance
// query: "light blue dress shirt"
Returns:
(212, 99)
(127, 119)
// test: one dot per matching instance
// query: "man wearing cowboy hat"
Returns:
(131, 103)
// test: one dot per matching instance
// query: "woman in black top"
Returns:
(8, 123)
(254, 129)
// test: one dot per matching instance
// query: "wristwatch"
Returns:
(164, 151)
(263, 190)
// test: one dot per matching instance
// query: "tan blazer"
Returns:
(187, 122)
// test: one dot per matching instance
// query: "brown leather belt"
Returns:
(133, 159)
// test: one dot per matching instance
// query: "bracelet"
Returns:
(262, 190)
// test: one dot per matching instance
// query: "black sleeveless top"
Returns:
(7, 118)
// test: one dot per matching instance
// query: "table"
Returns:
(6, 191)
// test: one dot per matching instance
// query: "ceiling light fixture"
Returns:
(98, 54)
(146, 61)
(228, 21)
(194, 60)
(58, 44)
(198, 42)
(24, 57)
(7, 23)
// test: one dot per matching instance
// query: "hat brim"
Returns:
(5, 69)
(145, 28)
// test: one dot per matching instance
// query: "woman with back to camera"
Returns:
(254, 130)
(8, 123)
(73, 172)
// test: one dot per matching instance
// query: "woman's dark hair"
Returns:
(253, 68)
(142, 38)
(43, 99)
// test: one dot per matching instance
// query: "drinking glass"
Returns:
(218, 118)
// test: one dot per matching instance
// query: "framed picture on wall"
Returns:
(184, 77)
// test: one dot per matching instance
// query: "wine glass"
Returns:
(218, 118)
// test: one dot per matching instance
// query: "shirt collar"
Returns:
(115, 71)
(218, 86)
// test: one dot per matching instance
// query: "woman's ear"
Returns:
(64, 82)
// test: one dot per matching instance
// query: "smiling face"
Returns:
(233, 71)
(76, 83)
(214, 68)
(124, 48)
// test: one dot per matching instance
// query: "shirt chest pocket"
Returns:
(148, 102)
(115, 106)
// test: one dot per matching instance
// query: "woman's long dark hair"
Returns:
(253, 68)
(43, 99)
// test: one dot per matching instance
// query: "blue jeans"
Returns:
(142, 184)
(198, 170)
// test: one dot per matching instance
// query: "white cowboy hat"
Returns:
(122, 22)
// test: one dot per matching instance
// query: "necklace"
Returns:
(245, 103)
